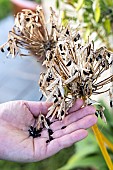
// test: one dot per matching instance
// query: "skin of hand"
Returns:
(16, 117)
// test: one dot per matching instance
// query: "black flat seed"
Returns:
(34, 129)
(40, 84)
(60, 45)
(99, 56)
(97, 59)
(47, 141)
(50, 132)
(2, 50)
(51, 138)
(75, 39)
(48, 79)
(8, 49)
(90, 60)
(27, 19)
(38, 135)
(48, 48)
(75, 72)
(31, 128)
(78, 36)
(41, 97)
(39, 130)
(100, 113)
(85, 73)
(34, 132)
(89, 104)
(56, 99)
(48, 122)
(103, 65)
(96, 113)
(90, 72)
(62, 53)
(62, 113)
(108, 54)
(67, 32)
(69, 63)
(42, 118)
(50, 57)
(111, 103)
(53, 26)
(63, 127)
(59, 93)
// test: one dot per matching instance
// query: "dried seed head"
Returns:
(73, 68)
(76, 68)
(30, 32)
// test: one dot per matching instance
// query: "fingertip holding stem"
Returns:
(94, 119)
(76, 106)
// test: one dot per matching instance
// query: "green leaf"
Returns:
(80, 3)
(107, 25)
(96, 162)
(57, 4)
(96, 9)
(83, 149)
(87, 33)
(109, 2)
(38, 1)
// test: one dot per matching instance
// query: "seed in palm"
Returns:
(34, 132)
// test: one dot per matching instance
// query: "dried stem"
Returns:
(102, 147)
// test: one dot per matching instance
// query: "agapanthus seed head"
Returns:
(73, 68)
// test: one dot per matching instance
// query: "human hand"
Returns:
(16, 118)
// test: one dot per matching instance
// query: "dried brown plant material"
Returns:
(29, 32)
(73, 69)
(75, 75)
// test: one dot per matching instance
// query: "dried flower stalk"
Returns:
(101, 142)
(29, 32)
(73, 69)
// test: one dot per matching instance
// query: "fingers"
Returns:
(83, 123)
(80, 114)
(42, 107)
(65, 141)
(73, 117)
(38, 107)
(76, 106)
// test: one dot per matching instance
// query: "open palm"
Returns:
(16, 118)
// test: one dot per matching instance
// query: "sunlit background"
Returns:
(19, 76)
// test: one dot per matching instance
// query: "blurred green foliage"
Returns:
(38, 1)
(87, 152)
(94, 16)
(52, 163)
(5, 8)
